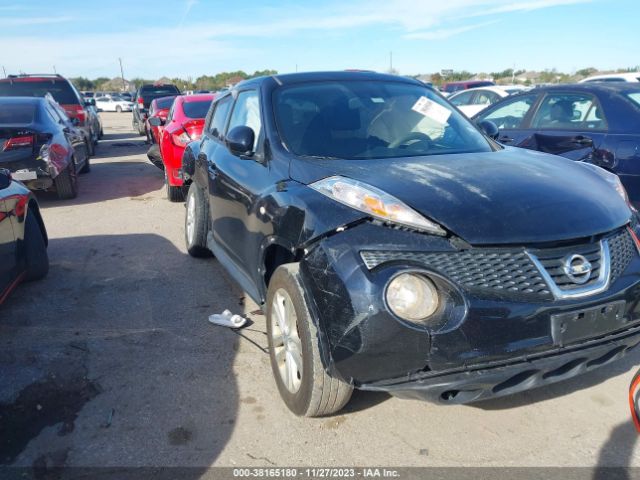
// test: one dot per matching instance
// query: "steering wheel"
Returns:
(417, 136)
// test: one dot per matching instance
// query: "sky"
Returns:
(189, 38)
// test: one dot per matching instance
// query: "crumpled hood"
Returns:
(512, 196)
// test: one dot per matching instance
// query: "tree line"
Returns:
(204, 82)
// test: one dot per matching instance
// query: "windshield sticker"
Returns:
(431, 109)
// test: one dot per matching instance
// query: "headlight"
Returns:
(374, 202)
(412, 297)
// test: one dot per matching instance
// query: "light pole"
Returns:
(122, 75)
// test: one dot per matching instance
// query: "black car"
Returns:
(41, 146)
(397, 248)
(142, 101)
(63, 92)
(23, 236)
(595, 122)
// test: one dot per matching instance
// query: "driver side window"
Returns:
(511, 114)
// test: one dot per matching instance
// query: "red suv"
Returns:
(63, 92)
(453, 87)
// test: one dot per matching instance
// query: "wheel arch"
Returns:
(34, 209)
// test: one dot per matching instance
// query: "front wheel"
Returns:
(196, 222)
(66, 182)
(302, 381)
(35, 249)
(86, 168)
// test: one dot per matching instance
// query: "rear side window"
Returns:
(196, 109)
(220, 116)
(635, 98)
(17, 113)
(569, 111)
(60, 90)
(511, 113)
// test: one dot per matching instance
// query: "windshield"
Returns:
(158, 91)
(196, 109)
(61, 91)
(369, 120)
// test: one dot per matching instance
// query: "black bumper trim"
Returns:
(485, 383)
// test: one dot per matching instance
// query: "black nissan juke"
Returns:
(396, 247)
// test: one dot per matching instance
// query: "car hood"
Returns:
(512, 196)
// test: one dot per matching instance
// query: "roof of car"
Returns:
(198, 97)
(293, 78)
(619, 87)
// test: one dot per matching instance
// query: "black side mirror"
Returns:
(156, 121)
(75, 122)
(490, 129)
(90, 103)
(5, 178)
(240, 141)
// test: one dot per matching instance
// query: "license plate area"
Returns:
(23, 175)
(571, 327)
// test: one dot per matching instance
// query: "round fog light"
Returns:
(412, 297)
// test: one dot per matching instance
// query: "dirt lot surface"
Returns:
(110, 361)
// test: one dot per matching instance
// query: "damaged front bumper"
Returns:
(490, 339)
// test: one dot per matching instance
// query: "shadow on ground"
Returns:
(109, 361)
(132, 178)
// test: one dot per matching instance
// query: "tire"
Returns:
(174, 194)
(66, 182)
(90, 150)
(101, 134)
(196, 221)
(86, 168)
(315, 393)
(35, 249)
(118, 109)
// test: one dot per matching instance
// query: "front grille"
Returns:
(622, 250)
(553, 259)
(513, 272)
(499, 271)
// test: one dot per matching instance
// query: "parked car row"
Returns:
(396, 246)
(595, 122)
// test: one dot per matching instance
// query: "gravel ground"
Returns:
(110, 361)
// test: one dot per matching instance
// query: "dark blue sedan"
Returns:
(596, 122)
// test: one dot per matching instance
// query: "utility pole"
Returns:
(54, 70)
(390, 62)
(122, 75)
(4, 70)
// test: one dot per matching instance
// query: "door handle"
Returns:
(505, 139)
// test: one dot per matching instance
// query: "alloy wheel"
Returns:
(287, 346)
(191, 218)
